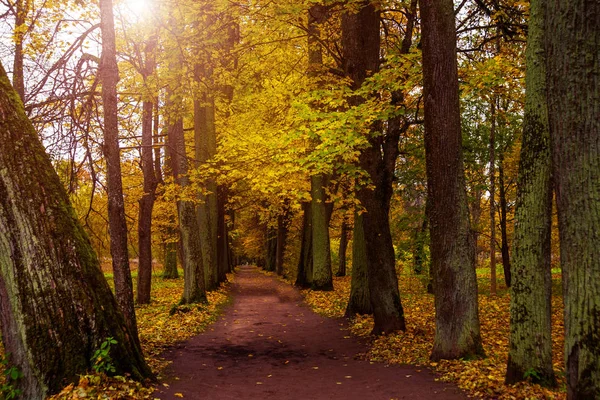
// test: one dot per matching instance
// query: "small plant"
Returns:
(11, 375)
(532, 374)
(102, 360)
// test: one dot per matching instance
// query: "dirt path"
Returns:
(268, 345)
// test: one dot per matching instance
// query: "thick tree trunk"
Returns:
(492, 174)
(360, 44)
(56, 308)
(305, 262)
(342, 249)
(573, 70)
(321, 246)
(360, 298)
(455, 283)
(206, 144)
(530, 341)
(504, 225)
(109, 76)
(194, 289)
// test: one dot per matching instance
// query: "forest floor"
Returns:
(270, 345)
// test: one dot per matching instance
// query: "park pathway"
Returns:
(269, 345)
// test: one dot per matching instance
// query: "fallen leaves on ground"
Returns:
(479, 378)
(160, 325)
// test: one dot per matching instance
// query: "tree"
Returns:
(51, 287)
(109, 76)
(150, 184)
(321, 246)
(361, 45)
(344, 233)
(572, 68)
(360, 299)
(530, 344)
(454, 280)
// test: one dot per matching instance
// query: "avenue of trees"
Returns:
(208, 133)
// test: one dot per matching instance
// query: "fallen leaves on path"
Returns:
(480, 378)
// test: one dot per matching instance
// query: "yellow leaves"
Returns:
(178, 395)
(480, 378)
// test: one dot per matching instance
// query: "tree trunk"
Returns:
(305, 262)
(144, 283)
(52, 290)
(455, 283)
(283, 222)
(360, 298)
(573, 68)
(342, 249)
(503, 226)
(321, 247)
(530, 341)
(194, 289)
(205, 138)
(492, 173)
(476, 221)
(360, 44)
(109, 76)
(19, 35)
(419, 247)
(223, 249)
(170, 268)
(271, 249)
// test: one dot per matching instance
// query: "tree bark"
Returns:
(360, 47)
(206, 144)
(194, 289)
(283, 223)
(455, 283)
(271, 249)
(52, 290)
(530, 341)
(109, 76)
(170, 268)
(305, 262)
(360, 298)
(504, 225)
(573, 95)
(419, 247)
(19, 35)
(146, 203)
(342, 248)
(321, 246)
(492, 174)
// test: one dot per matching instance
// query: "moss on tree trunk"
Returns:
(530, 344)
(360, 298)
(573, 70)
(52, 290)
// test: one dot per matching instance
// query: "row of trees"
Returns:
(258, 117)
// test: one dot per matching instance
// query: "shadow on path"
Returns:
(269, 345)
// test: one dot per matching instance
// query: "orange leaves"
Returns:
(480, 378)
